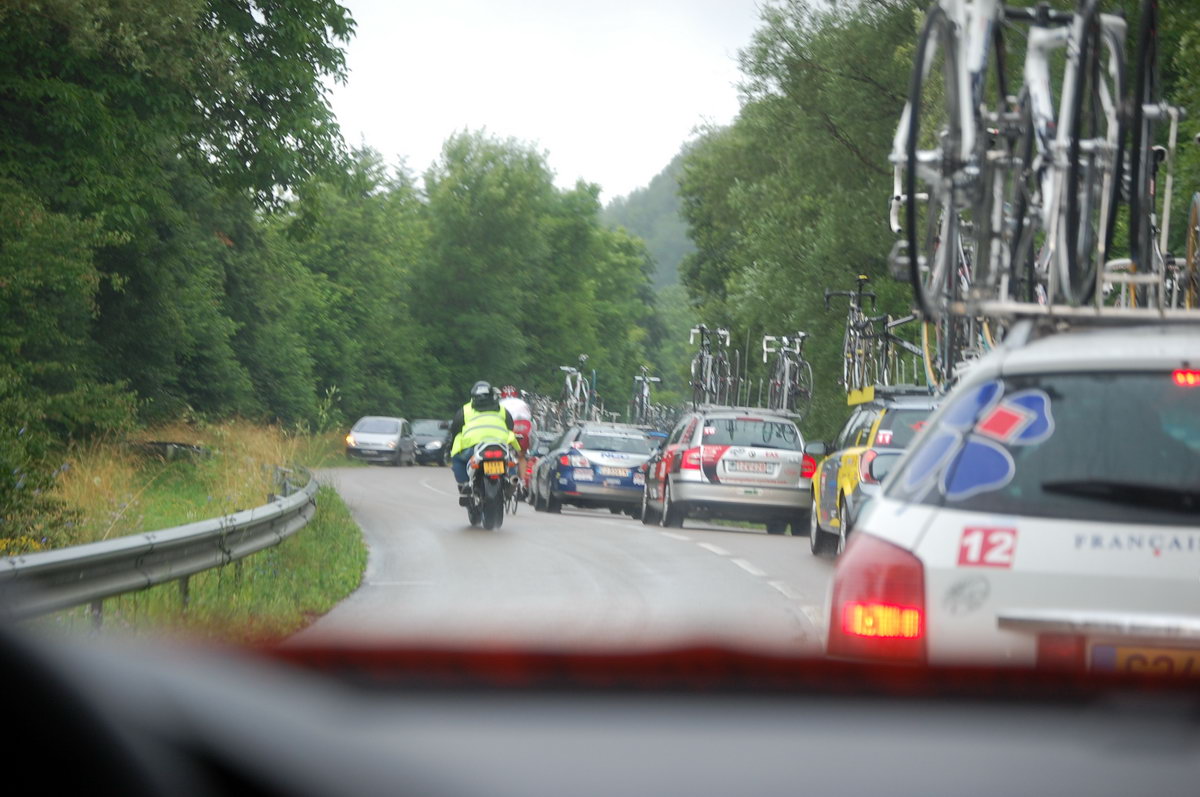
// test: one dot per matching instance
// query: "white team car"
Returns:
(1049, 514)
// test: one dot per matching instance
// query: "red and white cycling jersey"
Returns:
(522, 419)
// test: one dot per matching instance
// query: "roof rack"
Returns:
(760, 410)
(1085, 314)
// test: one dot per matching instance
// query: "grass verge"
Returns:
(111, 490)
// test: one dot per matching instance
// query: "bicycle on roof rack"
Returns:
(573, 403)
(712, 376)
(640, 406)
(791, 384)
(857, 354)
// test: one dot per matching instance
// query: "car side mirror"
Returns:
(882, 465)
(816, 449)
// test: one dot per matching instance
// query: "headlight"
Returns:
(349, 439)
(391, 443)
(434, 445)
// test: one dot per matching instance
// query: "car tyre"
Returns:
(818, 540)
(649, 516)
(777, 527)
(673, 514)
(553, 505)
(800, 524)
(842, 524)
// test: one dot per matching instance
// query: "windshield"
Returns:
(1109, 447)
(751, 432)
(231, 230)
(435, 428)
(377, 426)
(628, 444)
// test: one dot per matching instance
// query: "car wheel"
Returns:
(398, 461)
(673, 515)
(842, 530)
(818, 541)
(776, 527)
(649, 516)
(616, 510)
(800, 524)
(553, 505)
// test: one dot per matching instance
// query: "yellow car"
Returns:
(886, 422)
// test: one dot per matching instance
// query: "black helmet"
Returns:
(481, 395)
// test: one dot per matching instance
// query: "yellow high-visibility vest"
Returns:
(483, 427)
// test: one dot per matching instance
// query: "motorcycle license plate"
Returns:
(493, 468)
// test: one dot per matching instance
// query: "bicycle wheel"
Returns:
(1191, 269)
(1025, 233)
(802, 388)
(697, 381)
(1094, 129)
(1142, 137)
(932, 159)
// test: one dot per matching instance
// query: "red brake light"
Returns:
(564, 460)
(493, 453)
(690, 459)
(878, 609)
(1187, 377)
(864, 466)
(808, 466)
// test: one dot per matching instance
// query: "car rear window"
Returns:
(377, 426)
(751, 432)
(1118, 448)
(897, 428)
(611, 442)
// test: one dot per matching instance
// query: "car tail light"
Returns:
(864, 466)
(1187, 377)
(690, 459)
(573, 461)
(1061, 652)
(878, 609)
(808, 466)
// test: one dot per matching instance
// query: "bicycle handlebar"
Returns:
(850, 295)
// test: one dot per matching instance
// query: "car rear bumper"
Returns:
(600, 494)
(372, 454)
(741, 500)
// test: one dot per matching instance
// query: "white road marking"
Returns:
(425, 483)
(717, 549)
(675, 536)
(399, 583)
(785, 590)
(749, 568)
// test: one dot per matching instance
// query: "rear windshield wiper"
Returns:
(1173, 499)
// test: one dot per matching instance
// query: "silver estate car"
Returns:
(738, 464)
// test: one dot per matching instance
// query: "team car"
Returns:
(732, 463)
(890, 420)
(593, 465)
(1048, 514)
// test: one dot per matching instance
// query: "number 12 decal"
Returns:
(981, 547)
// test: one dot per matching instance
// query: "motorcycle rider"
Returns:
(480, 420)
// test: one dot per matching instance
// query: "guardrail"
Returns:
(38, 583)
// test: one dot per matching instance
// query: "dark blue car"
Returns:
(593, 465)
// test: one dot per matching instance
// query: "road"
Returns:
(582, 579)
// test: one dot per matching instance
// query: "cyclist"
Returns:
(480, 420)
(522, 416)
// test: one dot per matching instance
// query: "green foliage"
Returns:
(790, 199)
(653, 214)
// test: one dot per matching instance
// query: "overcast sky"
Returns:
(609, 89)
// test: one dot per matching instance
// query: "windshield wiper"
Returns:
(1172, 499)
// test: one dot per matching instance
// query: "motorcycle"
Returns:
(491, 487)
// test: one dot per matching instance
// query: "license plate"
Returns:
(583, 475)
(748, 467)
(493, 467)
(608, 471)
(1146, 660)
